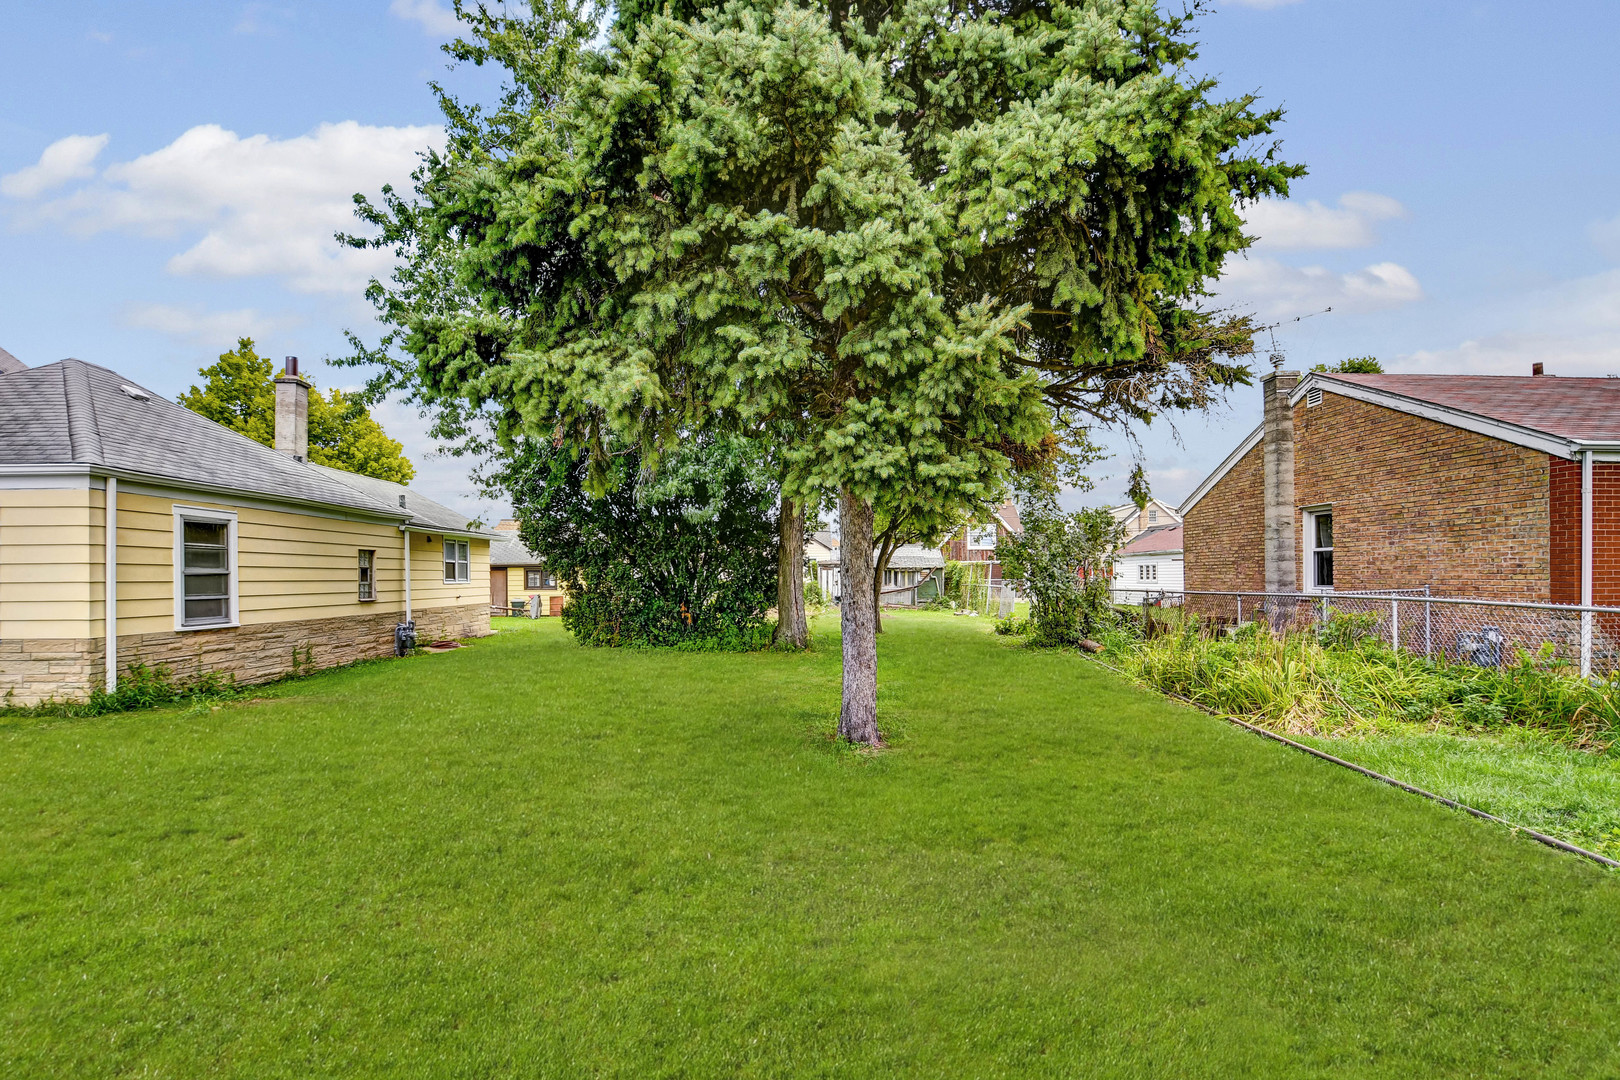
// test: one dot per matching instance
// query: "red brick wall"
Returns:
(1418, 502)
(1566, 532)
(1225, 531)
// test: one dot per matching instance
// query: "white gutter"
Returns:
(1586, 563)
(109, 617)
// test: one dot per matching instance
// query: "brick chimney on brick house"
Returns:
(292, 412)
(1277, 444)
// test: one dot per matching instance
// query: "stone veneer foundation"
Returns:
(32, 670)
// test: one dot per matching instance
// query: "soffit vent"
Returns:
(1313, 397)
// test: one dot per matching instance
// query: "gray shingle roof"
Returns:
(424, 512)
(9, 363)
(72, 412)
(508, 550)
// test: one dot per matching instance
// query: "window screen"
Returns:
(207, 573)
(457, 561)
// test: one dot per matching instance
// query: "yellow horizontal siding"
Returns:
(290, 565)
(51, 562)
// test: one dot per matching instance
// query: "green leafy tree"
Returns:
(914, 247)
(1063, 561)
(1356, 365)
(239, 392)
(686, 557)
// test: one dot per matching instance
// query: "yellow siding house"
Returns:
(133, 531)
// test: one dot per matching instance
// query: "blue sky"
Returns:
(170, 176)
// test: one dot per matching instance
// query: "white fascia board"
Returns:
(1249, 443)
(1443, 414)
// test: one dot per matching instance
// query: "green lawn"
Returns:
(1526, 777)
(528, 859)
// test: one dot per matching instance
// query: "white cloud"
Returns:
(1585, 339)
(209, 328)
(1277, 290)
(1287, 225)
(71, 158)
(1606, 237)
(264, 206)
(434, 16)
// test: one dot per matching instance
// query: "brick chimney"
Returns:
(1277, 448)
(292, 412)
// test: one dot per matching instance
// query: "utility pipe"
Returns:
(109, 585)
(1586, 564)
(407, 536)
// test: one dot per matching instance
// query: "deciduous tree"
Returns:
(239, 392)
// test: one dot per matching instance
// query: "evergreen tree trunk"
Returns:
(792, 629)
(857, 720)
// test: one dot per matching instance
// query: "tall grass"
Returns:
(1340, 682)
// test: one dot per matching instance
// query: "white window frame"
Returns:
(1308, 524)
(183, 514)
(370, 580)
(462, 560)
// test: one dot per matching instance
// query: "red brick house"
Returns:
(1476, 485)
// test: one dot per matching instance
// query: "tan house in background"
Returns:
(1154, 514)
(133, 531)
(517, 574)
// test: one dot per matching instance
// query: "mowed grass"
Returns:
(1526, 777)
(529, 859)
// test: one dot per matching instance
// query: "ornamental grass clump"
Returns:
(1340, 681)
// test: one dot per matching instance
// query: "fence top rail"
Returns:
(1317, 597)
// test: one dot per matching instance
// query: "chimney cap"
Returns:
(1538, 368)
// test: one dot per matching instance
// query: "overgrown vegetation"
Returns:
(1341, 680)
(141, 687)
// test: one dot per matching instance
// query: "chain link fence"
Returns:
(1488, 633)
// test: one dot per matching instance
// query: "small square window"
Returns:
(368, 574)
(538, 577)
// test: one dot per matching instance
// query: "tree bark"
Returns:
(792, 629)
(880, 564)
(857, 720)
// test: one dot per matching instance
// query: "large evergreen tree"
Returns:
(239, 392)
(918, 246)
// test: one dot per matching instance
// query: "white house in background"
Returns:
(1151, 516)
(1149, 563)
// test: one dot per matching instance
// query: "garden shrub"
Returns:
(680, 554)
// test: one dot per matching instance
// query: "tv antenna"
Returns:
(1277, 355)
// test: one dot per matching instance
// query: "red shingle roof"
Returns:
(1160, 538)
(1585, 409)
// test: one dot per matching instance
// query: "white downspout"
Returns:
(1586, 563)
(407, 535)
(109, 545)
